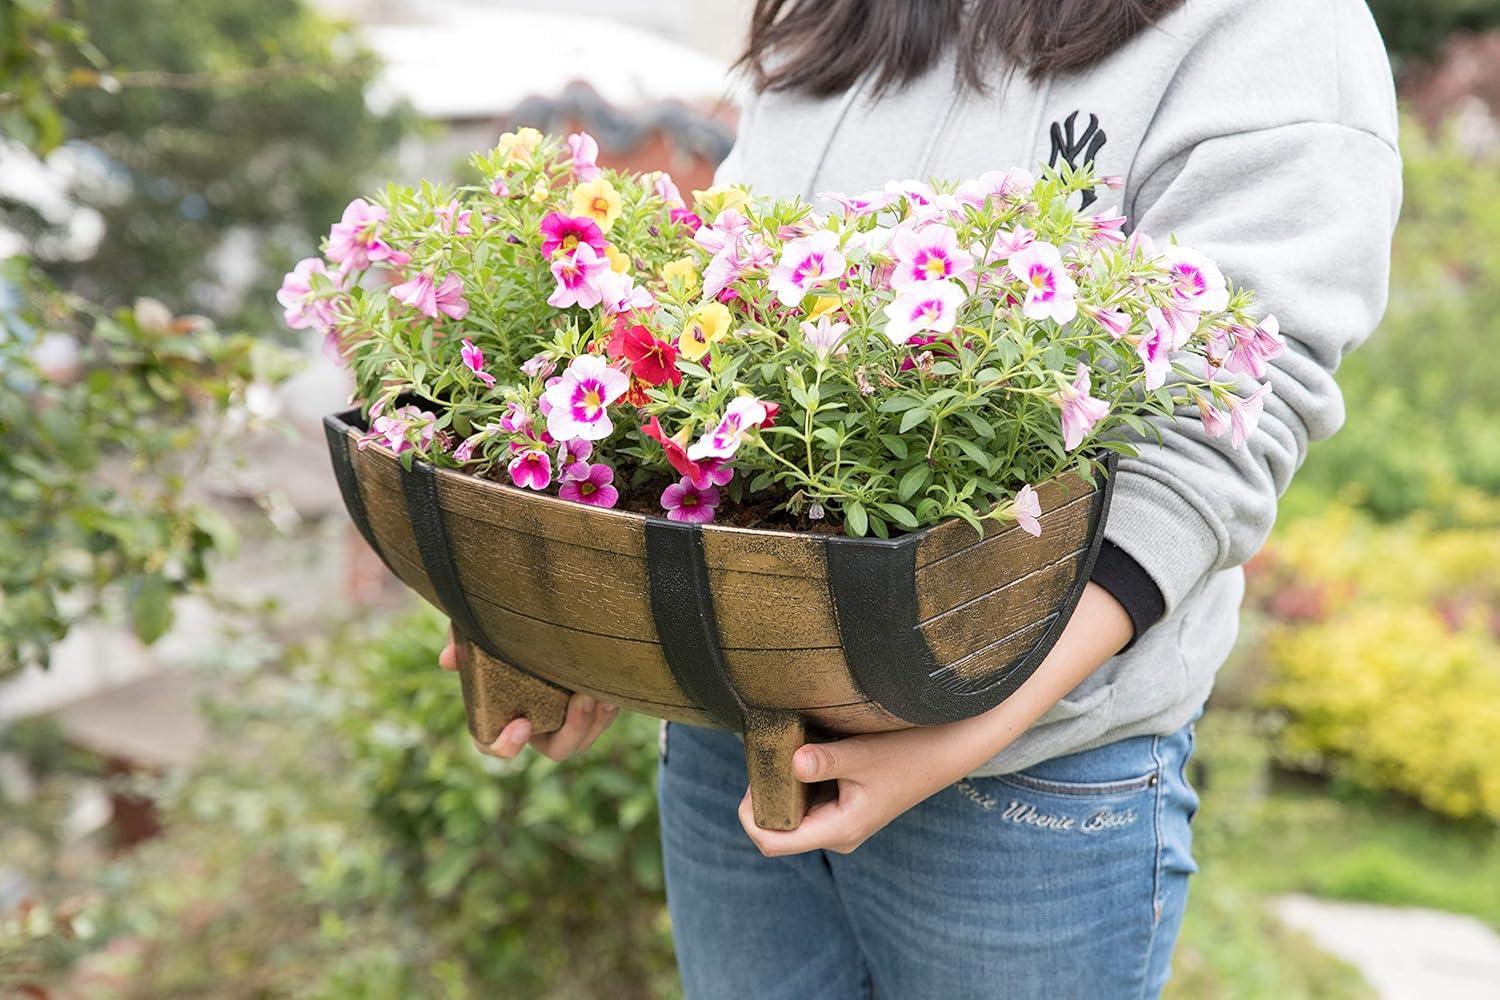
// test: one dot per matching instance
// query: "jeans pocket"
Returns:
(1081, 789)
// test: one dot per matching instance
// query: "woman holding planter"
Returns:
(1043, 848)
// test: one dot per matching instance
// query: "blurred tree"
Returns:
(1416, 28)
(217, 141)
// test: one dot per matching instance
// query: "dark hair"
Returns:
(823, 46)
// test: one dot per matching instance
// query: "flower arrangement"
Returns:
(920, 353)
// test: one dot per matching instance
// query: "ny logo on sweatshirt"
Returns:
(1077, 149)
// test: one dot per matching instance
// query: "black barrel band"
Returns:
(430, 531)
(337, 433)
(682, 605)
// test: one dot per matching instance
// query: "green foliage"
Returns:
(1418, 27)
(201, 119)
(345, 839)
(101, 415)
(1422, 433)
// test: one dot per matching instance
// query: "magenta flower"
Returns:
(1244, 414)
(929, 253)
(1080, 411)
(531, 469)
(573, 458)
(1028, 509)
(567, 232)
(1250, 349)
(806, 263)
(578, 278)
(516, 419)
(451, 220)
(579, 401)
(929, 305)
(1197, 283)
(741, 417)
(691, 221)
(685, 502)
(1049, 288)
(424, 294)
(354, 241)
(585, 152)
(303, 309)
(474, 361)
(594, 487)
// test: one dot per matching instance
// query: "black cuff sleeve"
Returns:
(1131, 585)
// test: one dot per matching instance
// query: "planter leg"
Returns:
(496, 692)
(771, 737)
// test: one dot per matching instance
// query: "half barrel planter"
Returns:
(773, 634)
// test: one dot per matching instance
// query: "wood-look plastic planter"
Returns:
(769, 633)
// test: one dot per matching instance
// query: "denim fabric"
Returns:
(1067, 879)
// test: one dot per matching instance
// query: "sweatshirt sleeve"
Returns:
(1300, 211)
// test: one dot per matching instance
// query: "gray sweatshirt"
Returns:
(1261, 132)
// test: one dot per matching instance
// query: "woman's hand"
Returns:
(879, 777)
(586, 719)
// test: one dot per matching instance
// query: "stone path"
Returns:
(1404, 953)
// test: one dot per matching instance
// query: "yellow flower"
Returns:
(709, 323)
(597, 200)
(822, 305)
(618, 262)
(518, 146)
(540, 191)
(708, 204)
(682, 270)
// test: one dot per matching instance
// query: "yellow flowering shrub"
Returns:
(1386, 655)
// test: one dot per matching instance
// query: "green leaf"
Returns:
(856, 519)
(914, 479)
(896, 445)
(899, 403)
(150, 602)
(899, 514)
(913, 418)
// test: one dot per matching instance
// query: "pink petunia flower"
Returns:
(1250, 349)
(585, 152)
(666, 190)
(424, 294)
(516, 418)
(806, 263)
(573, 458)
(566, 232)
(303, 309)
(538, 366)
(929, 253)
(1080, 411)
(593, 487)
(578, 278)
(1049, 288)
(995, 184)
(685, 502)
(1244, 414)
(1008, 242)
(531, 469)
(1215, 423)
(619, 294)
(354, 242)
(858, 205)
(825, 337)
(1114, 322)
(1155, 349)
(1105, 228)
(1197, 283)
(1028, 509)
(452, 220)
(391, 429)
(473, 359)
(926, 306)
(741, 416)
(580, 399)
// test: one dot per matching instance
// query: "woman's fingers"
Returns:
(602, 718)
(448, 658)
(510, 741)
(575, 728)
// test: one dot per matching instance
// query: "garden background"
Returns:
(243, 774)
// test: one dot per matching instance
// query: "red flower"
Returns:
(709, 472)
(652, 360)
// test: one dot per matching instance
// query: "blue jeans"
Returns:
(1065, 880)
